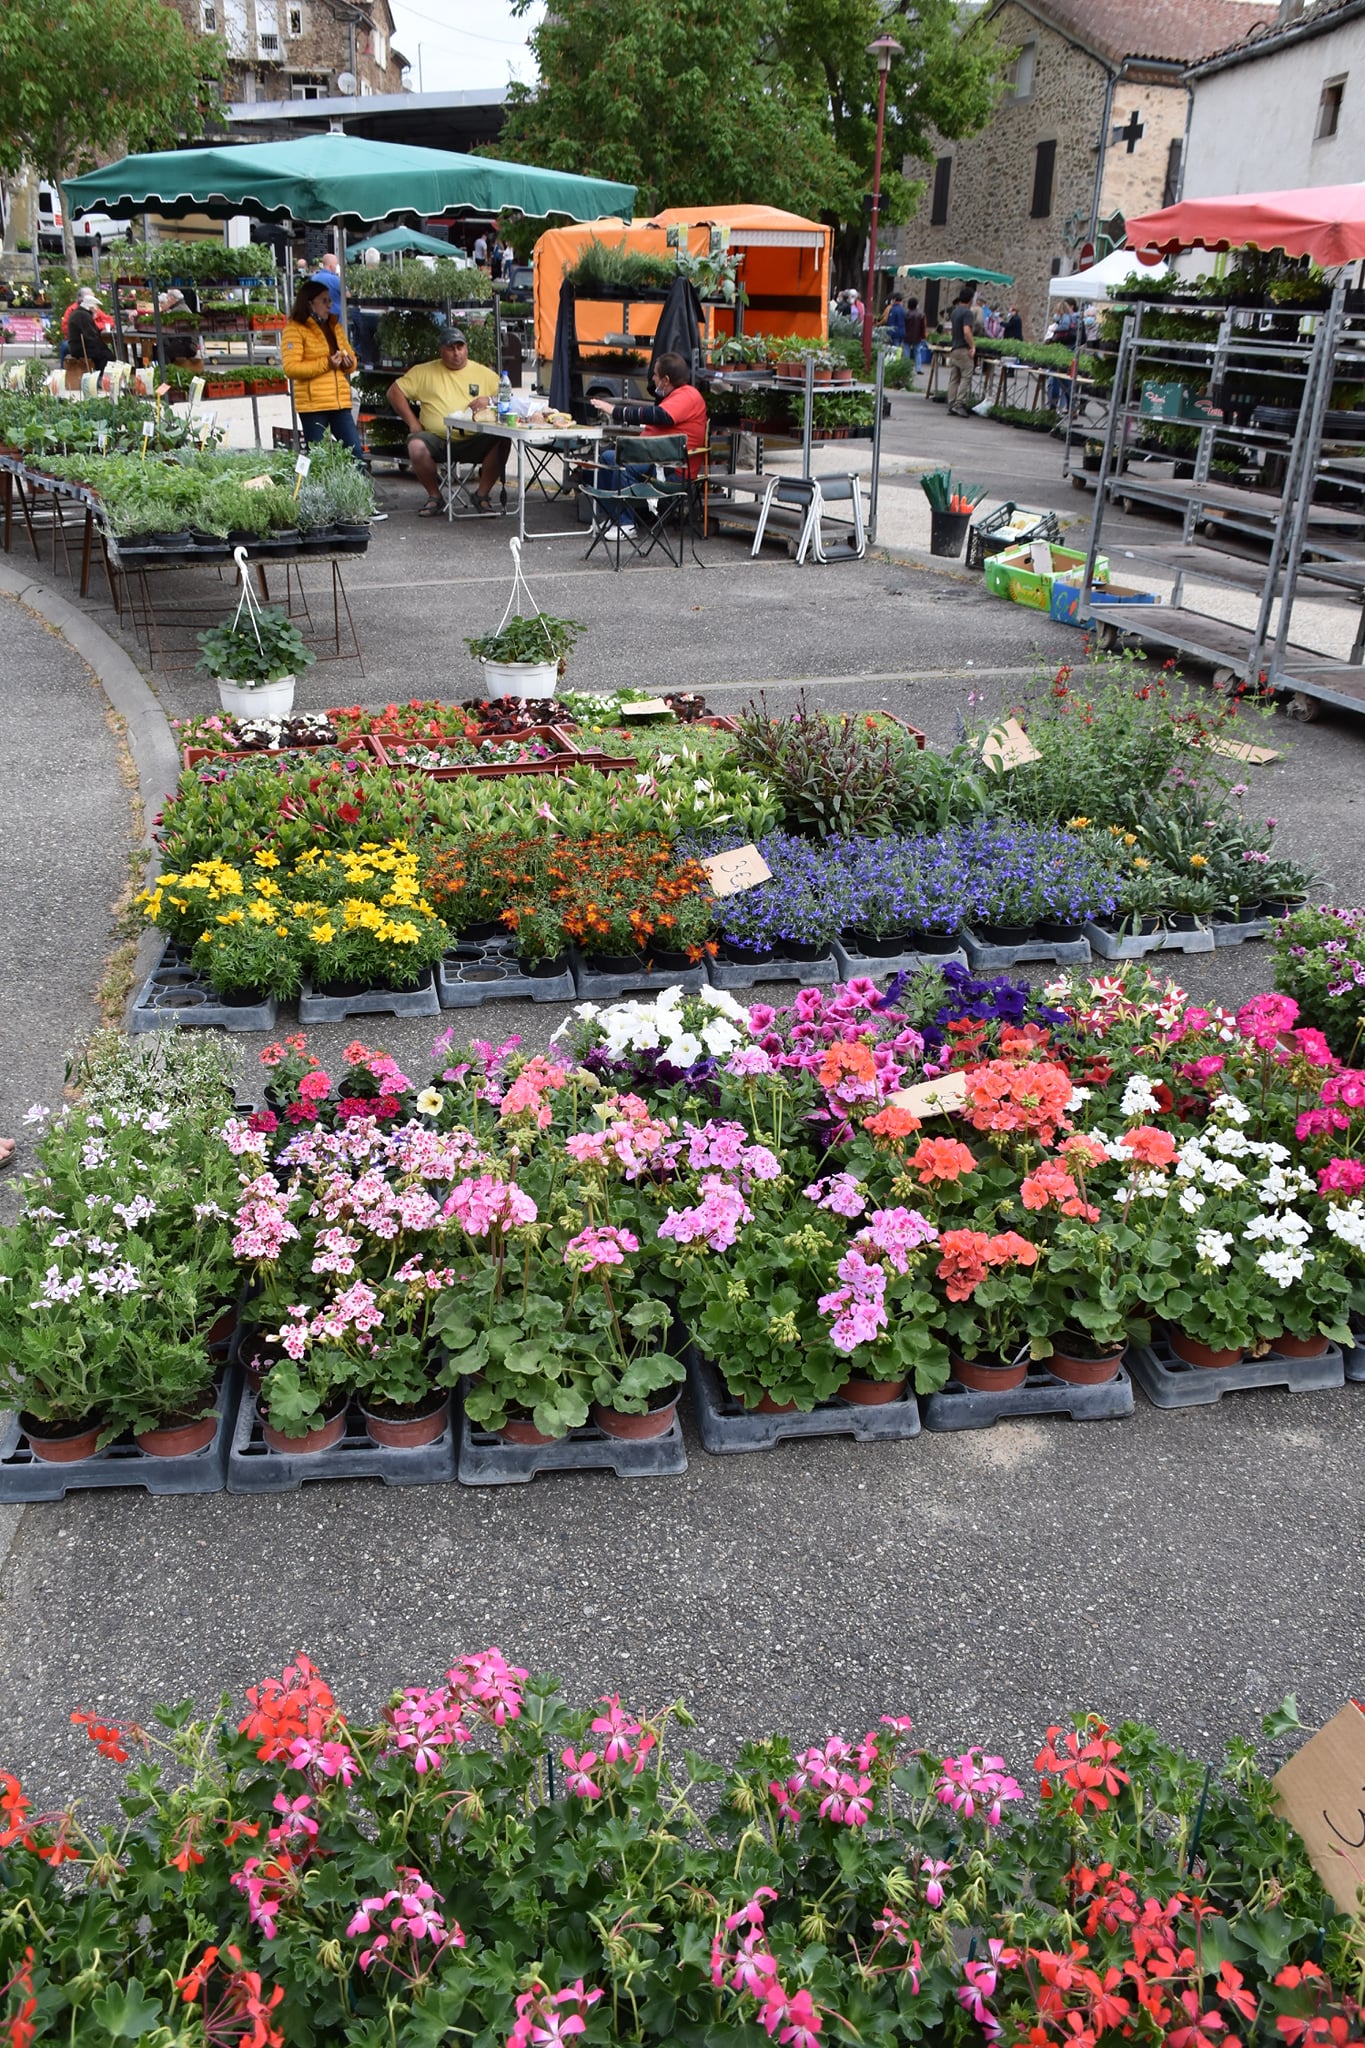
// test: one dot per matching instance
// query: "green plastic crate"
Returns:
(1011, 574)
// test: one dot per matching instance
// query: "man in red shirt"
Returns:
(679, 409)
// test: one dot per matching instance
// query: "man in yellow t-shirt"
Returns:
(424, 395)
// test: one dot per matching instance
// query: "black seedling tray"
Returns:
(727, 1425)
(252, 1467)
(1042, 1393)
(1169, 1383)
(26, 1478)
(485, 1460)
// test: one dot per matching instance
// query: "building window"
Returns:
(307, 89)
(381, 49)
(295, 20)
(208, 17)
(938, 206)
(1019, 76)
(1170, 191)
(269, 45)
(1329, 109)
(1044, 163)
(933, 291)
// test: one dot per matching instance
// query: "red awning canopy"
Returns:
(1326, 222)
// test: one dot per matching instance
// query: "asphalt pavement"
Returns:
(1188, 1567)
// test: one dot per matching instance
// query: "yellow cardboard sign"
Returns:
(932, 1098)
(1008, 746)
(1242, 750)
(745, 868)
(1322, 1796)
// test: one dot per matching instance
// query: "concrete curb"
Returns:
(155, 757)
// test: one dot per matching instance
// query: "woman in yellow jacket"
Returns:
(316, 357)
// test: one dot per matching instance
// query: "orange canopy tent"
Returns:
(785, 272)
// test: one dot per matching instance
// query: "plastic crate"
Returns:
(1011, 574)
(994, 533)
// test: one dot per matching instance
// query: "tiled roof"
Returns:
(1318, 17)
(1173, 31)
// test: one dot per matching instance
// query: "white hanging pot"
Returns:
(521, 678)
(258, 700)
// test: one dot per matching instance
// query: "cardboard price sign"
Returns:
(1008, 746)
(1242, 750)
(1322, 1796)
(647, 707)
(745, 868)
(932, 1098)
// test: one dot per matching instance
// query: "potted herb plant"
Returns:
(526, 656)
(254, 659)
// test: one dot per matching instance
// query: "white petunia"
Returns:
(1077, 1097)
(719, 1037)
(685, 1050)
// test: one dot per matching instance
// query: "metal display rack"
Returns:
(132, 338)
(1307, 528)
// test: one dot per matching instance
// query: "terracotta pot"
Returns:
(636, 1428)
(1079, 1368)
(1286, 1346)
(178, 1439)
(328, 1432)
(1195, 1353)
(410, 1429)
(767, 1406)
(59, 1443)
(870, 1393)
(517, 1430)
(987, 1376)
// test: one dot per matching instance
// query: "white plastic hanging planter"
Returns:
(246, 699)
(521, 678)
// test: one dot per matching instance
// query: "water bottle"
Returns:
(505, 397)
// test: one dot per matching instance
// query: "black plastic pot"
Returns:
(1281, 906)
(933, 942)
(614, 963)
(242, 998)
(343, 988)
(947, 532)
(796, 949)
(1182, 920)
(743, 956)
(485, 928)
(1005, 934)
(874, 946)
(158, 543)
(668, 961)
(319, 539)
(545, 970)
(1060, 934)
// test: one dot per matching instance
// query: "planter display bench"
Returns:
(735, 974)
(422, 1001)
(875, 965)
(727, 1425)
(1137, 945)
(608, 988)
(1000, 959)
(1042, 1393)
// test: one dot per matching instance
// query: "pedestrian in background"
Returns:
(962, 353)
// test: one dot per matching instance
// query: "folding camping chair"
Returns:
(652, 504)
(460, 481)
(811, 495)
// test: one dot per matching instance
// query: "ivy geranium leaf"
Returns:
(126, 2012)
(1285, 1717)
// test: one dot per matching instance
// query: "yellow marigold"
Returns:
(265, 887)
(264, 913)
(281, 931)
(323, 934)
(404, 934)
(1139, 862)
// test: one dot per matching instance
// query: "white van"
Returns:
(88, 227)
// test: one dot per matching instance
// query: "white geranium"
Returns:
(1139, 1097)
(1214, 1246)
(1288, 1227)
(1192, 1200)
(1346, 1220)
(1284, 1267)
(1229, 1110)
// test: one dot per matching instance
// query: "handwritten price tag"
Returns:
(148, 429)
(933, 1098)
(745, 868)
(1320, 1794)
(302, 465)
(1008, 746)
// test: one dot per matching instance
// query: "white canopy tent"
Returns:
(1105, 276)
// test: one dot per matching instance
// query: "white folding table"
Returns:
(537, 447)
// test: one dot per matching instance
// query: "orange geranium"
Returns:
(1151, 1146)
(298, 1703)
(891, 1123)
(845, 1061)
(1010, 1095)
(1051, 1183)
(942, 1159)
(966, 1257)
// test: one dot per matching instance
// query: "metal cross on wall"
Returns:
(1132, 132)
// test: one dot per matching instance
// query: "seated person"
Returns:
(679, 408)
(449, 384)
(178, 346)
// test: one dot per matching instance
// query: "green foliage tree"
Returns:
(91, 78)
(713, 102)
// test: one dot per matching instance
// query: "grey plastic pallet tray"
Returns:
(810, 973)
(1000, 959)
(1353, 1362)
(1139, 944)
(26, 1478)
(375, 1002)
(727, 1425)
(899, 963)
(252, 1467)
(609, 988)
(1169, 1383)
(485, 1460)
(488, 971)
(1238, 934)
(959, 1407)
(173, 994)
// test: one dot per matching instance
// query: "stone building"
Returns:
(302, 49)
(1283, 108)
(1090, 128)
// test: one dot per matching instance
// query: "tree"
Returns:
(702, 103)
(83, 79)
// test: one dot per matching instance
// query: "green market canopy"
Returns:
(343, 179)
(947, 270)
(397, 240)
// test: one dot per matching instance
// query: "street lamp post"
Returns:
(886, 49)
